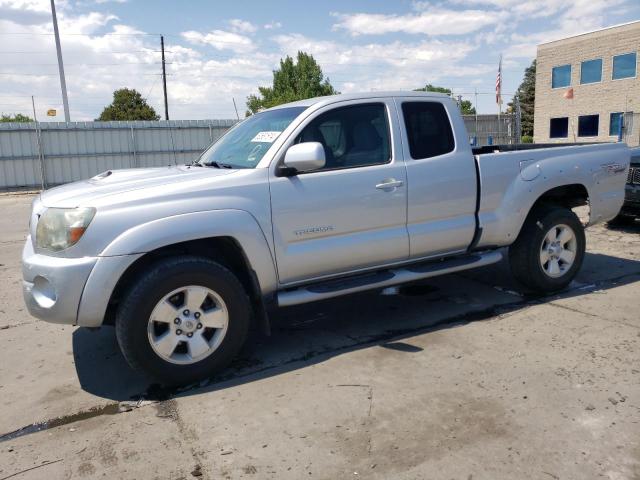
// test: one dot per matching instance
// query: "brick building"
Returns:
(600, 71)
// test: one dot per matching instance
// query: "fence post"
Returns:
(43, 172)
(133, 148)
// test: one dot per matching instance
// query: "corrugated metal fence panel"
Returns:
(80, 150)
(16, 171)
(501, 132)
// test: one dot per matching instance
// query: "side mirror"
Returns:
(304, 157)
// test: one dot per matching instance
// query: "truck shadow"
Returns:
(309, 334)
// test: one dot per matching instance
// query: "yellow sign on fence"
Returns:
(51, 112)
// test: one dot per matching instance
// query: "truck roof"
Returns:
(356, 96)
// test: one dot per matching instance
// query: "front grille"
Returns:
(636, 176)
(630, 175)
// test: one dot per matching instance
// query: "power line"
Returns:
(54, 74)
(148, 50)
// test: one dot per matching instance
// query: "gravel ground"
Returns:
(461, 377)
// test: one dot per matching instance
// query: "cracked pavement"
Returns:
(464, 376)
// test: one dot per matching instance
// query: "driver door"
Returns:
(350, 214)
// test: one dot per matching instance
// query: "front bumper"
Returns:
(52, 286)
(74, 291)
(631, 204)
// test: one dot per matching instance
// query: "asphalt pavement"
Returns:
(464, 376)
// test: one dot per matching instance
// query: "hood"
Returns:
(117, 182)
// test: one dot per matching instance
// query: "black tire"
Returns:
(157, 281)
(524, 253)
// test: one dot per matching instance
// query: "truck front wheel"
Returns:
(183, 320)
(549, 250)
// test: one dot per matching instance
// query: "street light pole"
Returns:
(63, 83)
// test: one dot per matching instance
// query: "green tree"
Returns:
(526, 95)
(432, 88)
(128, 104)
(18, 117)
(466, 107)
(294, 80)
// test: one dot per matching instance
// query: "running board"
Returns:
(369, 281)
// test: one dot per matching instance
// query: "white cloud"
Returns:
(570, 19)
(385, 66)
(220, 40)
(434, 21)
(207, 68)
(38, 6)
(98, 63)
(88, 23)
(242, 26)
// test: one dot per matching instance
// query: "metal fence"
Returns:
(492, 129)
(631, 129)
(45, 154)
(52, 153)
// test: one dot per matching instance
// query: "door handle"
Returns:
(389, 183)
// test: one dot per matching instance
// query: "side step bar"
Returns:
(369, 281)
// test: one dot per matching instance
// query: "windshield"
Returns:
(245, 144)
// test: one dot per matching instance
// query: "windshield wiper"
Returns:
(215, 164)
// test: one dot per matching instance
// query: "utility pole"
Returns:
(164, 80)
(63, 83)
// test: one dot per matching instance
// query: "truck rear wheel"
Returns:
(549, 250)
(183, 320)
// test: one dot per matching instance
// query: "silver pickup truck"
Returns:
(303, 202)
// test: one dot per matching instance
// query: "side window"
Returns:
(354, 136)
(428, 129)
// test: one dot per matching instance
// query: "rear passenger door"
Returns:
(441, 174)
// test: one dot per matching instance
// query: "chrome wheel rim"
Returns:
(188, 324)
(558, 251)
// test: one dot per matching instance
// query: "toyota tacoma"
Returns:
(299, 203)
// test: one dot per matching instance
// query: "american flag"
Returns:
(499, 83)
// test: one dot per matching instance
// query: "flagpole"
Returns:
(499, 96)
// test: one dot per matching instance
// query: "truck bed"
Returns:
(525, 146)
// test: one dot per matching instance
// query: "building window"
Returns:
(588, 125)
(559, 127)
(624, 66)
(561, 76)
(591, 71)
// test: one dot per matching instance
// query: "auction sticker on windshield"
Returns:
(266, 137)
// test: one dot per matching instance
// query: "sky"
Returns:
(217, 51)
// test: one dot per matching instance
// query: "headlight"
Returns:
(60, 228)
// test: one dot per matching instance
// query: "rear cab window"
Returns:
(428, 129)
